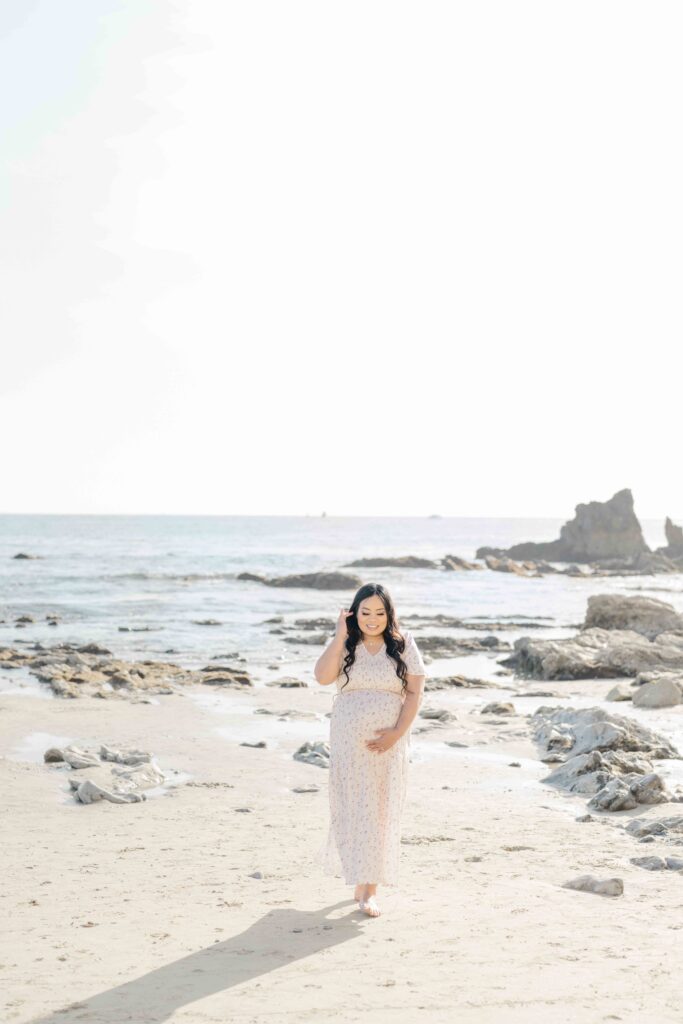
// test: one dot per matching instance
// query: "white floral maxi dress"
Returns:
(367, 789)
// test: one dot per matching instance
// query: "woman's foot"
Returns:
(369, 906)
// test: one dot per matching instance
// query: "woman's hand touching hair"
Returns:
(342, 630)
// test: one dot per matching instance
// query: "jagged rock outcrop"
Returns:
(454, 563)
(589, 773)
(645, 615)
(674, 542)
(595, 654)
(599, 530)
(584, 730)
(89, 670)
(605, 756)
(626, 793)
(117, 774)
(509, 565)
(674, 535)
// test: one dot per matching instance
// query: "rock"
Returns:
(89, 792)
(259, 743)
(206, 622)
(121, 755)
(116, 783)
(644, 564)
(640, 828)
(615, 796)
(622, 691)
(466, 682)
(403, 562)
(484, 551)
(318, 640)
(316, 580)
(92, 649)
(53, 755)
(674, 540)
(585, 817)
(311, 788)
(608, 529)
(23, 555)
(505, 565)
(455, 647)
(625, 794)
(644, 615)
(648, 789)
(314, 753)
(287, 681)
(661, 693)
(453, 563)
(589, 773)
(674, 535)
(223, 675)
(603, 887)
(78, 758)
(595, 729)
(649, 863)
(496, 707)
(595, 653)
(674, 863)
(441, 714)
(24, 619)
(74, 672)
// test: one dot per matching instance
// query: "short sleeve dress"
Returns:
(367, 789)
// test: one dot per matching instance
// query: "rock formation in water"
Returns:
(599, 530)
(674, 541)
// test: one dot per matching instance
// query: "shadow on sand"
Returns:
(278, 938)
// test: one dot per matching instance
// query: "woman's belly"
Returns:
(357, 714)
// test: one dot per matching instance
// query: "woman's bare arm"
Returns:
(411, 704)
(328, 665)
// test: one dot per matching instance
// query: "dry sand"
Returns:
(147, 912)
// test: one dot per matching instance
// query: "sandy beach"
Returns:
(202, 904)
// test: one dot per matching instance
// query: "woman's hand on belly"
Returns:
(383, 742)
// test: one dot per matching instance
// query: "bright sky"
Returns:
(366, 257)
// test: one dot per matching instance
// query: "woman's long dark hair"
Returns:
(392, 637)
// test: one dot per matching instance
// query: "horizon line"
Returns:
(303, 515)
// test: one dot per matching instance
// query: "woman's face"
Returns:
(372, 616)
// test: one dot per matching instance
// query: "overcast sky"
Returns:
(363, 257)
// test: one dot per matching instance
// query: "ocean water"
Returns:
(163, 572)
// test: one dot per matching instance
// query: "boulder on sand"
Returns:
(663, 692)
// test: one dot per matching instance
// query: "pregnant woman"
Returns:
(379, 675)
